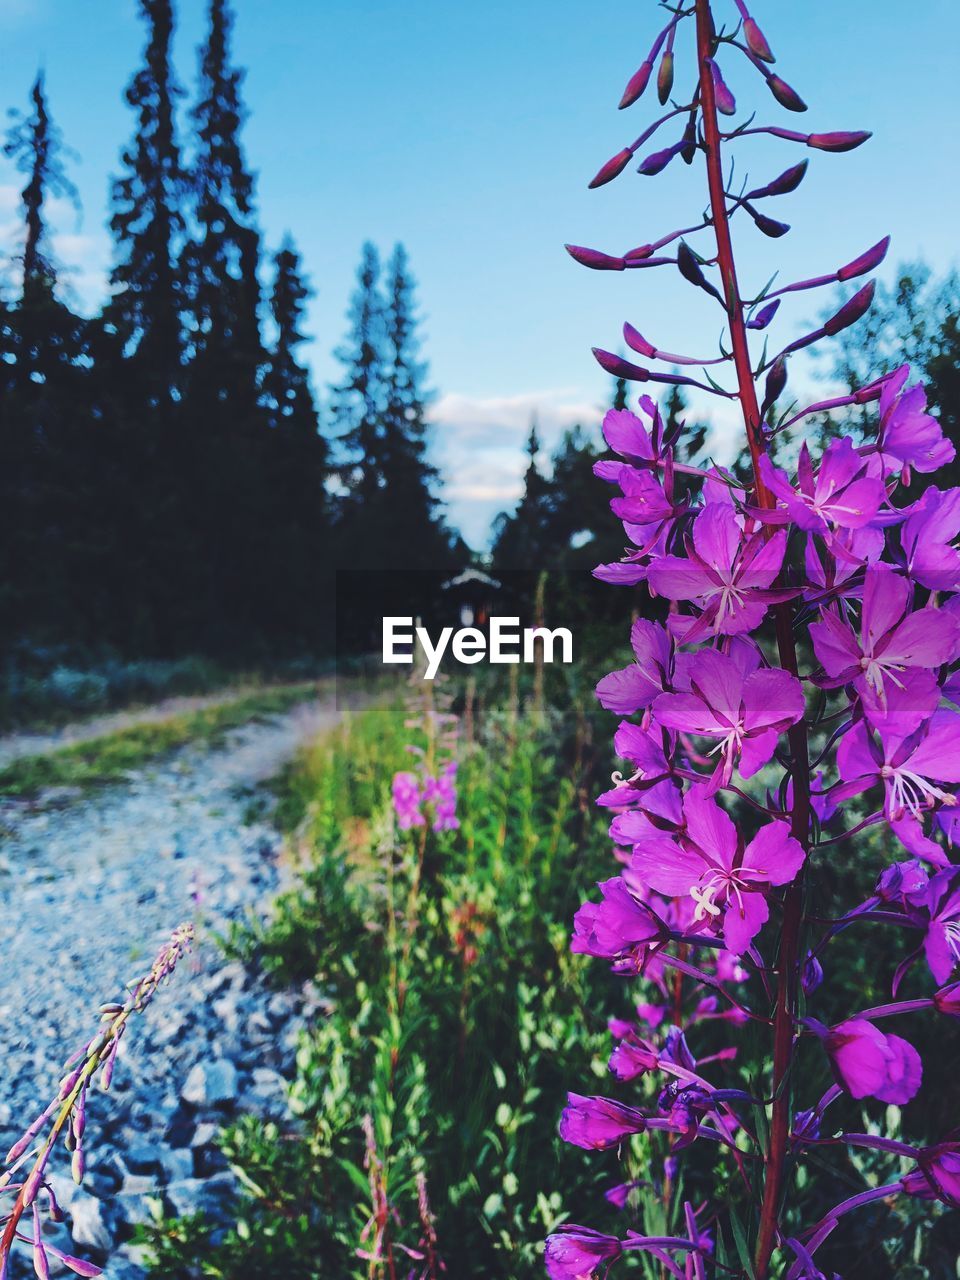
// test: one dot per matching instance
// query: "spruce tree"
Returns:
(297, 463)
(409, 479)
(228, 495)
(45, 411)
(357, 407)
(147, 219)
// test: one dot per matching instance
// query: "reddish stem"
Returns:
(787, 967)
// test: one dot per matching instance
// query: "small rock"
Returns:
(87, 1224)
(211, 1083)
(141, 1157)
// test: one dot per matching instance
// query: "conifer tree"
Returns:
(298, 459)
(357, 407)
(409, 478)
(520, 539)
(46, 384)
(228, 499)
(147, 221)
(221, 263)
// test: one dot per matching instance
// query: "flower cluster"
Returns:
(810, 625)
(428, 796)
(25, 1175)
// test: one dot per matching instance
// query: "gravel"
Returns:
(89, 889)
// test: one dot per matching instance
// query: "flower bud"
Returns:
(774, 385)
(785, 95)
(812, 974)
(594, 259)
(756, 41)
(690, 269)
(615, 165)
(636, 84)
(619, 367)
(689, 149)
(788, 181)
(947, 1000)
(78, 1165)
(771, 227)
(657, 161)
(726, 102)
(851, 311)
(866, 262)
(837, 141)
(638, 342)
(665, 77)
(764, 315)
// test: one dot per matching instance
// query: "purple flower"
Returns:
(890, 639)
(598, 1123)
(727, 575)
(626, 434)
(406, 801)
(839, 495)
(734, 701)
(927, 535)
(633, 1057)
(709, 863)
(937, 1175)
(619, 926)
(574, 1253)
(908, 434)
(441, 794)
(869, 1064)
(941, 942)
(917, 749)
(636, 686)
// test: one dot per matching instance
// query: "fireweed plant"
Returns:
(26, 1170)
(805, 660)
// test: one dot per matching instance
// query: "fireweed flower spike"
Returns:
(819, 598)
(26, 1168)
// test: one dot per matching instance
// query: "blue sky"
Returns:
(470, 132)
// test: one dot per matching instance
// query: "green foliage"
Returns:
(453, 1016)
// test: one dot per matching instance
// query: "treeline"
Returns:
(167, 484)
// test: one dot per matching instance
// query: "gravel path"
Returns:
(29, 742)
(87, 895)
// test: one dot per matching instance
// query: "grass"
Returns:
(111, 757)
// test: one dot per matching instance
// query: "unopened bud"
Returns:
(594, 259)
(787, 181)
(764, 315)
(812, 974)
(775, 383)
(771, 227)
(615, 165)
(689, 149)
(785, 95)
(665, 77)
(619, 367)
(690, 269)
(636, 85)
(837, 141)
(756, 41)
(866, 262)
(851, 311)
(78, 1165)
(726, 102)
(657, 161)
(637, 342)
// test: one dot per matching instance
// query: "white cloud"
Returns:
(479, 443)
